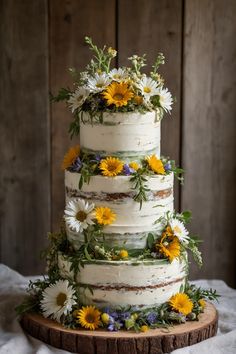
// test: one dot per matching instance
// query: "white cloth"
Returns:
(14, 341)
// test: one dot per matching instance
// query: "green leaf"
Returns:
(150, 241)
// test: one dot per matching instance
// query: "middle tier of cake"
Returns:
(132, 223)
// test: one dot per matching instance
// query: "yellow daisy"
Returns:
(111, 166)
(144, 328)
(138, 100)
(123, 254)
(202, 303)
(181, 303)
(134, 165)
(89, 317)
(156, 165)
(118, 94)
(104, 215)
(70, 157)
(169, 246)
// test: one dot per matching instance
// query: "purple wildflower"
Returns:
(152, 317)
(76, 165)
(127, 169)
(167, 166)
(124, 316)
(114, 326)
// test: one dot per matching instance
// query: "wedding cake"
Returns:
(120, 259)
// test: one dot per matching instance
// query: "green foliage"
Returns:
(63, 95)
(139, 185)
(102, 57)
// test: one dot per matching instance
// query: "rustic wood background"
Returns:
(41, 39)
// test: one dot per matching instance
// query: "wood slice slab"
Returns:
(156, 341)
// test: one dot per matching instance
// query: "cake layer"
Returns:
(132, 224)
(129, 136)
(138, 283)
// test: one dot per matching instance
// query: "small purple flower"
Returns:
(167, 166)
(114, 315)
(76, 165)
(127, 170)
(152, 317)
(115, 326)
(124, 316)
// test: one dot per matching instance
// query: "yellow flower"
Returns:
(169, 246)
(144, 328)
(105, 318)
(181, 303)
(111, 166)
(118, 94)
(123, 254)
(112, 52)
(202, 303)
(155, 164)
(89, 317)
(70, 157)
(104, 215)
(138, 100)
(134, 165)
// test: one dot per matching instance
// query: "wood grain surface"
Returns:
(122, 342)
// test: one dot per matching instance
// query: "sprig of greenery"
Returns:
(139, 185)
(63, 95)
(138, 62)
(102, 57)
(192, 246)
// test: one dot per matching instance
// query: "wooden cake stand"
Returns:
(156, 341)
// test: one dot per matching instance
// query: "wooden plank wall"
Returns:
(40, 39)
(209, 132)
(25, 133)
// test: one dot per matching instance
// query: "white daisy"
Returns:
(78, 214)
(118, 74)
(77, 98)
(166, 99)
(179, 230)
(148, 87)
(98, 83)
(58, 299)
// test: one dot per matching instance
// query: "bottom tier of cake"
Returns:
(139, 283)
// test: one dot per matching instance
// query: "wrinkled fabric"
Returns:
(14, 341)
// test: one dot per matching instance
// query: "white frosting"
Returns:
(130, 219)
(121, 283)
(122, 132)
(118, 184)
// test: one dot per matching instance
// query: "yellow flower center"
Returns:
(61, 298)
(99, 85)
(116, 76)
(118, 97)
(147, 89)
(81, 216)
(177, 229)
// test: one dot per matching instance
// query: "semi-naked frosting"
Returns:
(132, 224)
(142, 283)
(121, 283)
(130, 136)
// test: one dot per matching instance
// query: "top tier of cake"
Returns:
(129, 136)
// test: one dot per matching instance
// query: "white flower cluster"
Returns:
(144, 86)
